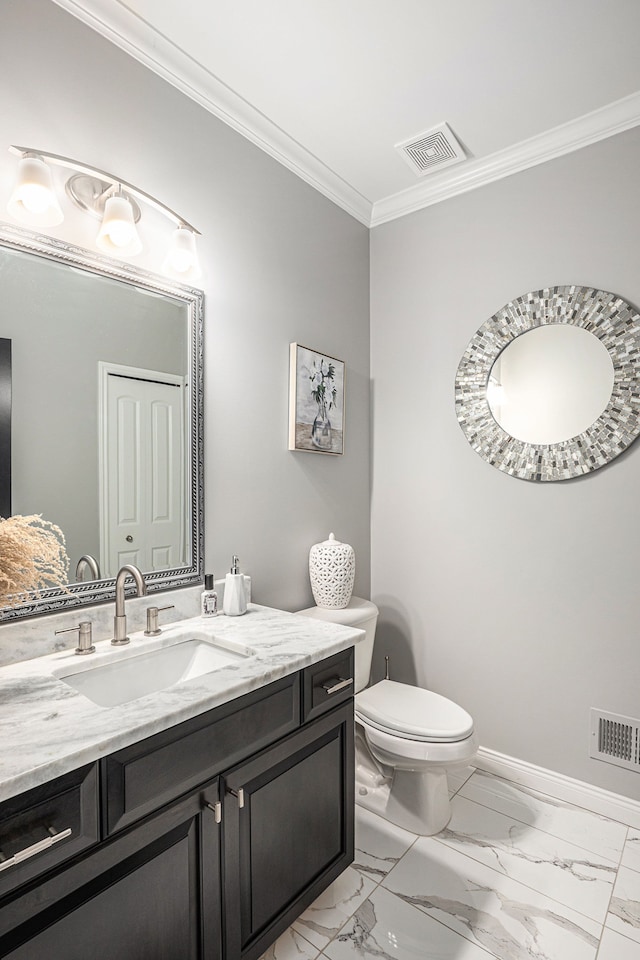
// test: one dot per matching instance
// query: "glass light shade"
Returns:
(182, 256)
(33, 201)
(118, 235)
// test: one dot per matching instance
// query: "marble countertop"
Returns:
(47, 728)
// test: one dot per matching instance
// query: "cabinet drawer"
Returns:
(327, 683)
(45, 826)
(144, 777)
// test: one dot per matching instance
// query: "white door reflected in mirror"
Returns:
(550, 384)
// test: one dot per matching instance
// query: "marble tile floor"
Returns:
(516, 875)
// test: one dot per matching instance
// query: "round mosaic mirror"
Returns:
(560, 403)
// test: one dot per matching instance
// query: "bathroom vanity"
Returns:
(197, 822)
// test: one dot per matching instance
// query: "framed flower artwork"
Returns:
(316, 401)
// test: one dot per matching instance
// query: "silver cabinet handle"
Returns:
(239, 794)
(332, 686)
(35, 848)
(216, 809)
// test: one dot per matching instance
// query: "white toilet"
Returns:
(406, 737)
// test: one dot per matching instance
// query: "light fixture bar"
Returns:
(91, 195)
(60, 161)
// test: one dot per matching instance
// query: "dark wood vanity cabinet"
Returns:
(215, 835)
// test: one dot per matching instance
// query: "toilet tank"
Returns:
(361, 614)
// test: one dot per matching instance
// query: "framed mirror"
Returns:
(102, 366)
(548, 387)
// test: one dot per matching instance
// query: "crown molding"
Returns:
(137, 38)
(614, 118)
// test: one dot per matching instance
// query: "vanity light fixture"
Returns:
(116, 203)
(34, 201)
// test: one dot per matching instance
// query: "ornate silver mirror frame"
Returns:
(609, 318)
(191, 571)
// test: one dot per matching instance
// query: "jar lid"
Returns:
(331, 542)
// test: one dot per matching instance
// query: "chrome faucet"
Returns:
(120, 621)
(91, 563)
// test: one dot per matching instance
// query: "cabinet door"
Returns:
(288, 831)
(150, 894)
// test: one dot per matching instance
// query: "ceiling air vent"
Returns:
(431, 151)
(615, 739)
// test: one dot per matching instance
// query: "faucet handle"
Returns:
(85, 644)
(153, 630)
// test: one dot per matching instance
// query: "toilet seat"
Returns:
(404, 711)
(402, 753)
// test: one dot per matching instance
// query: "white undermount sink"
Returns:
(139, 674)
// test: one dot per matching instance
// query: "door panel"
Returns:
(142, 470)
(288, 833)
(124, 452)
(284, 862)
(163, 461)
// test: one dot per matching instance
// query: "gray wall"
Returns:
(518, 600)
(281, 264)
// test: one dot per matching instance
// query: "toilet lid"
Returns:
(413, 712)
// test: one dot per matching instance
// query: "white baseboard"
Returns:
(607, 804)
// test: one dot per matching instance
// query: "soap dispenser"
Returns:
(234, 602)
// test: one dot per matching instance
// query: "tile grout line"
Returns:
(508, 816)
(522, 883)
(604, 922)
(422, 913)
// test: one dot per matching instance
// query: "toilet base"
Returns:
(419, 802)
(416, 801)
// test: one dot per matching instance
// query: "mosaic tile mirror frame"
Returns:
(609, 318)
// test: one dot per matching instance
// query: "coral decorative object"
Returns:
(332, 569)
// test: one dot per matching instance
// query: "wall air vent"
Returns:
(615, 739)
(431, 151)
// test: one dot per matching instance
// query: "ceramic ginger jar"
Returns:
(332, 569)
